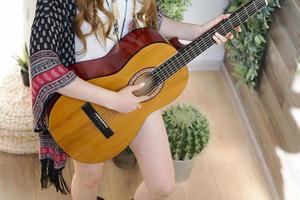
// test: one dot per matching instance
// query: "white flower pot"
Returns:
(183, 169)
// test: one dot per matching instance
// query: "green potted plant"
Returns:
(188, 133)
(174, 9)
(245, 52)
(22, 62)
(125, 159)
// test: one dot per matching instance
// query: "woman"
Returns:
(69, 31)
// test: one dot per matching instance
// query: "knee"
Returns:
(163, 188)
(89, 178)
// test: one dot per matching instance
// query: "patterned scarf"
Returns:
(52, 51)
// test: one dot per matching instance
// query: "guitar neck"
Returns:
(195, 48)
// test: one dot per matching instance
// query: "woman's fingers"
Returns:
(220, 37)
(224, 16)
(238, 29)
(135, 87)
(229, 36)
(217, 40)
(215, 21)
(143, 98)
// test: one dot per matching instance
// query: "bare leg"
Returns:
(151, 147)
(85, 180)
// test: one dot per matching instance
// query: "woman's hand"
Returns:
(219, 39)
(125, 101)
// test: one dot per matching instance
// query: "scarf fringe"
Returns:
(50, 175)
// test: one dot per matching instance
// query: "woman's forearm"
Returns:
(82, 90)
(184, 31)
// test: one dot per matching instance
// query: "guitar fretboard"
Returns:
(195, 48)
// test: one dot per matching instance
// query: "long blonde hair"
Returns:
(88, 11)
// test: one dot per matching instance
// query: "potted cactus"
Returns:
(125, 160)
(22, 62)
(188, 133)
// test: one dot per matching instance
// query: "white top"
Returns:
(94, 48)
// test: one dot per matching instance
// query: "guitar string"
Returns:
(205, 39)
(194, 50)
(239, 20)
(228, 24)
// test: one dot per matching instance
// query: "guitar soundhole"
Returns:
(151, 88)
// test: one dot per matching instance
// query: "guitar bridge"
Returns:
(97, 120)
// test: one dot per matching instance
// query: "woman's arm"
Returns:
(83, 90)
(122, 101)
(187, 31)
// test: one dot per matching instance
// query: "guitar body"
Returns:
(128, 63)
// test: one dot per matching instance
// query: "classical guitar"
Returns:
(91, 133)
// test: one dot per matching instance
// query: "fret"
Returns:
(214, 30)
(191, 51)
(250, 10)
(161, 72)
(169, 67)
(225, 31)
(189, 54)
(181, 61)
(184, 57)
(203, 42)
(198, 47)
(211, 41)
(185, 54)
(176, 59)
(234, 21)
(166, 70)
(157, 77)
(243, 15)
(239, 18)
(253, 2)
(254, 7)
(246, 12)
(229, 20)
(178, 67)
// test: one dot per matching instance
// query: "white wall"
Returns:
(29, 11)
(11, 35)
(200, 12)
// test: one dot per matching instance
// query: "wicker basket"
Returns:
(16, 134)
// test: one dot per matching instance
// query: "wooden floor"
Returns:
(226, 170)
